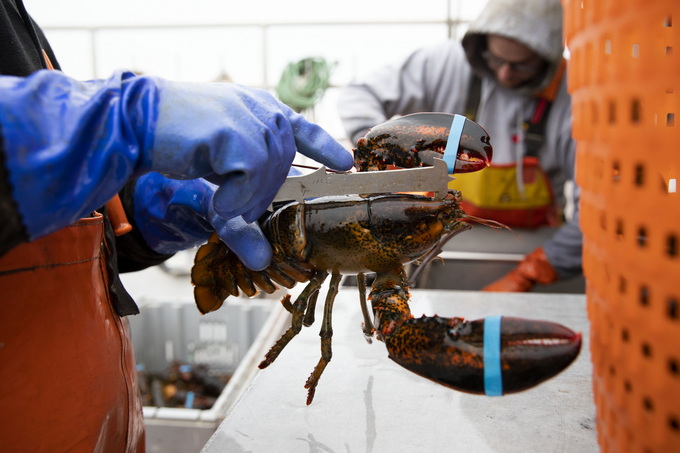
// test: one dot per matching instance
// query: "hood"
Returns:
(535, 23)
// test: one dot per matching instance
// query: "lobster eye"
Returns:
(445, 216)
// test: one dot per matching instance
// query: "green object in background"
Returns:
(303, 83)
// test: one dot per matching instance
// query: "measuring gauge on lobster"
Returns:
(418, 139)
(423, 149)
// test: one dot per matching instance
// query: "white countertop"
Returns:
(367, 403)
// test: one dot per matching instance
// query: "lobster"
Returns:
(360, 234)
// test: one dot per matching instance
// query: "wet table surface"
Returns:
(367, 403)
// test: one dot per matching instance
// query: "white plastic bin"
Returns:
(168, 331)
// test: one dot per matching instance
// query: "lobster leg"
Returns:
(492, 356)
(311, 308)
(298, 311)
(308, 320)
(326, 335)
(368, 324)
(285, 301)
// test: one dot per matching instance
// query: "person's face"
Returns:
(512, 63)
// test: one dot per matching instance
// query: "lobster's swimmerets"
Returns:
(355, 235)
(379, 234)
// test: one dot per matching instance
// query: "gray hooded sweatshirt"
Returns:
(437, 79)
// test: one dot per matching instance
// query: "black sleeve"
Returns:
(19, 56)
(12, 231)
(46, 47)
(20, 42)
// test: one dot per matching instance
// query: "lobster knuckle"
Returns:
(387, 329)
(422, 345)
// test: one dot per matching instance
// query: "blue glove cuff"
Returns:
(70, 146)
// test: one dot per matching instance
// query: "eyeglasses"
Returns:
(495, 62)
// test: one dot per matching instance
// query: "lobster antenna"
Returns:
(463, 226)
(488, 222)
(311, 167)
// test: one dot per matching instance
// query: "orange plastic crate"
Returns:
(624, 77)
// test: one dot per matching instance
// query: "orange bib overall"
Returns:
(67, 370)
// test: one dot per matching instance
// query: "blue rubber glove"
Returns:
(174, 215)
(242, 139)
(70, 146)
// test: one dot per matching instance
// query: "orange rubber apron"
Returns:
(67, 371)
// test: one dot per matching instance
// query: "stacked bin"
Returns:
(624, 77)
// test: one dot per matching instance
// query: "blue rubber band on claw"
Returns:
(451, 151)
(493, 379)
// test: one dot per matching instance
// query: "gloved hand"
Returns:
(174, 215)
(70, 146)
(239, 138)
(534, 268)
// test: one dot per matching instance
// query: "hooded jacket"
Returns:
(536, 24)
(438, 79)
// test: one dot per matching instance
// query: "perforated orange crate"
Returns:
(624, 76)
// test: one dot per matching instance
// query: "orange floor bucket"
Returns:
(624, 77)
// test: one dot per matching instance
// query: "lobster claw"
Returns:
(419, 138)
(474, 149)
(492, 356)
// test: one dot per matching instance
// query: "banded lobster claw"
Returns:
(493, 356)
(417, 139)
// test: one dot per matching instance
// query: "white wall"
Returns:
(250, 41)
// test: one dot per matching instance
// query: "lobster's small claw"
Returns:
(493, 356)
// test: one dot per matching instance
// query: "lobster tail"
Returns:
(218, 273)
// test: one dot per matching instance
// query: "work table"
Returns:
(367, 403)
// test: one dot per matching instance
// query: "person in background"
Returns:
(508, 74)
(79, 163)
